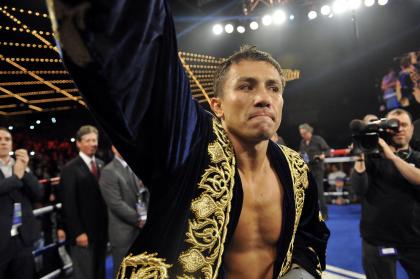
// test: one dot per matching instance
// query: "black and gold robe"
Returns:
(122, 54)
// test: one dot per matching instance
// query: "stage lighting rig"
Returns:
(250, 5)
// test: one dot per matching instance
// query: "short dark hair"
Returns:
(4, 129)
(250, 53)
(84, 130)
(399, 111)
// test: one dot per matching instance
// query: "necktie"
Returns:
(94, 169)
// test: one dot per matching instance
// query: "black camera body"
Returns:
(365, 136)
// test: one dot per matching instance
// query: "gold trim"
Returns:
(299, 175)
(144, 266)
(207, 227)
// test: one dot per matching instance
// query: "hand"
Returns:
(22, 159)
(82, 240)
(61, 235)
(388, 152)
(141, 223)
(359, 165)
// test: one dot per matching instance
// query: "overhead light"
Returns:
(254, 25)
(10, 128)
(291, 17)
(38, 122)
(229, 28)
(382, 2)
(240, 29)
(53, 120)
(217, 30)
(369, 3)
(11, 153)
(312, 15)
(267, 20)
(325, 10)
(354, 4)
(279, 17)
(32, 127)
(339, 6)
(32, 153)
(72, 140)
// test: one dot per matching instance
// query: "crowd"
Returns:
(48, 155)
(401, 86)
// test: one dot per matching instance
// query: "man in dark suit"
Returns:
(19, 188)
(127, 199)
(85, 216)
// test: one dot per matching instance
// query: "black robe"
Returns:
(123, 57)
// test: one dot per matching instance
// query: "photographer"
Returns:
(389, 187)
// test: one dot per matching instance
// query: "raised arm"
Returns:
(123, 56)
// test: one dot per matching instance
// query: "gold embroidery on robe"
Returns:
(299, 174)
(144, 266)
(207, 227)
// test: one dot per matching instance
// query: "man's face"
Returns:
(305, 134)
(88, 144)
(405, 132)
(252, 101)
(5, 143)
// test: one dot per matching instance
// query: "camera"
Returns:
(365, 135)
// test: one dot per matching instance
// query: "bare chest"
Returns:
(260, 221)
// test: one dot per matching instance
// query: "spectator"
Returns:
(313, 149)
(19, 188)
(388, 86)
(406, 84)
(127, 200)
(334, 174)
(85, 216)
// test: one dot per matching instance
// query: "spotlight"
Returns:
(32, 127)
(312, 15)
(325, 10)
(53, 120)
(339, 6)
(217, 30)
(229, 28)
(382, 2)
(72, 140)
(254, 25)
(369, 3)
(354, 4)
(279, 17)
(267, 20)
(10, 128)
(240, 29)
(291, 17)
(32, 153)
(38, 122)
